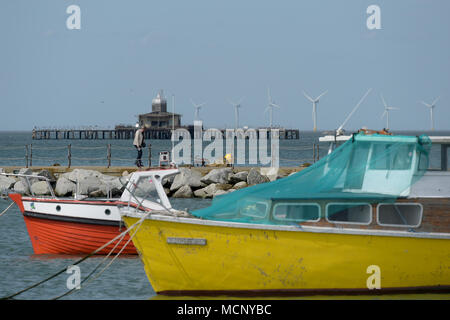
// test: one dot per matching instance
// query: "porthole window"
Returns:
(107, 212)
(296, 212)
(351, 213)
(399, 214)
(58, 208)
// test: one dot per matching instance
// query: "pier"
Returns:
(127, 133)
(98, 134)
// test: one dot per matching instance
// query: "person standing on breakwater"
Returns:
(139, 144)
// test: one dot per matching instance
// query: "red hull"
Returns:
(61, 237)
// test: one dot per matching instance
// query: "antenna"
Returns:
(339, 130)
(431, 106)
(236, 112)
(314, 102)
(270, 106)
(197, 109)
(386, 111)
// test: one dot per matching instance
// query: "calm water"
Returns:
(20, 268)
(94, 152)
(125, 278)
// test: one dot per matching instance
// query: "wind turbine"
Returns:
(314, 102)
(197, 108)
(270, 106)
(431, 106)
(386, 111)
(236, 112)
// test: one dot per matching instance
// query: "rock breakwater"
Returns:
(188, 183)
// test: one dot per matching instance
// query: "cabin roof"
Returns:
(434, 139)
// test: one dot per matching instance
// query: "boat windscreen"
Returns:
(365, 169)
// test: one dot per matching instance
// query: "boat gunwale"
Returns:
(289, 228)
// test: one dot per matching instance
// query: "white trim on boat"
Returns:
(299, 228)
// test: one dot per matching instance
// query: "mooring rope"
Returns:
(4, 211)
(78, 261)
(107, 266)
(93, 271)
(139, 223)
(119, 236)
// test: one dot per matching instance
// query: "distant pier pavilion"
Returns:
(159, 124)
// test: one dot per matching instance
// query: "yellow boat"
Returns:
(356, 239)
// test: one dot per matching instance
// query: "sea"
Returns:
(18, 149)
(125, 278)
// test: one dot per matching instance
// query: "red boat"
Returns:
(72, 226)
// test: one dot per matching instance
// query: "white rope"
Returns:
(119, 236)
(80, 260)
(4, 211)
(137, 225)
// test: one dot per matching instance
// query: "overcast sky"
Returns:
(213, 51)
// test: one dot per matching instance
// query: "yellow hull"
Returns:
(237, 259)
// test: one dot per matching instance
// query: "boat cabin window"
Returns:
(399, 159)
(255, 209)
(296, 212)
(145, 188)
(352, 213)
(399, 214)
(423, 161)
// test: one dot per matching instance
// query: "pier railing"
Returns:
(68, 154)
(107, 154)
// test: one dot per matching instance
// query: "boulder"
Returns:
(21, 187)
(201, 193)
(81, 174)
(254, 177)
(273, 173)
(113, 185)
(167, 182)
(217, 176)
(27, 171)
(47, 174)
(219, 192)
(238, 177)
(224, 186)
(6, 182)
(187, 177)
(64, 187)
(240, 185)
(183, 192)
(88, 184)
(40, 188)
(210, 190)
(97, 194)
